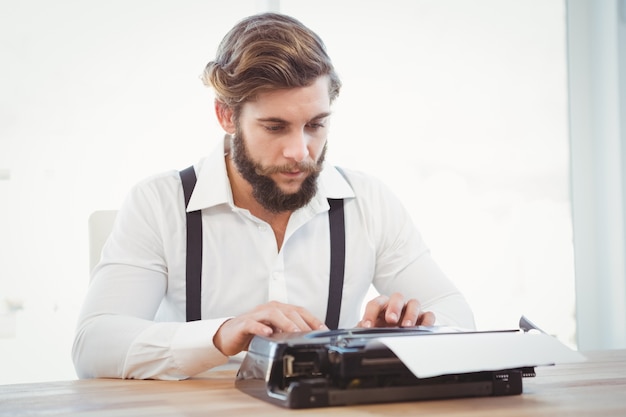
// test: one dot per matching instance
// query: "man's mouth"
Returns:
(293, 174)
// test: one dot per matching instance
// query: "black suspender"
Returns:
(193, 272)
(337, 261)
(194, 255)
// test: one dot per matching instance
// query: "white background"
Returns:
(460, 106)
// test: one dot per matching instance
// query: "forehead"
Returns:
(291, 103)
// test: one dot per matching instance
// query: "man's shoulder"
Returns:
(360, 181)
(161, 180)
(166, 179)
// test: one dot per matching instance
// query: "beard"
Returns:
(264, 188)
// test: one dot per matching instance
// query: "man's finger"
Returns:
(395, 307)
(427, 318)
(411, 314)
(373, 310)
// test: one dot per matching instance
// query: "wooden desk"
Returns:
(594, 388)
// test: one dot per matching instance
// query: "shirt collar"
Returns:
(213, 187)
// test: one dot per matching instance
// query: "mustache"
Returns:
(308, 167)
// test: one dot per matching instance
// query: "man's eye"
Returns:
(273, 128)
(316, 125)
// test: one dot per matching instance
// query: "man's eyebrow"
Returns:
(271, 119)
(321, 116)
(279, 120)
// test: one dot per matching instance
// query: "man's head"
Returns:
(274, 85)
(267, 52)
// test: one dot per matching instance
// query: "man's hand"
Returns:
(235, 334)
(384, 311)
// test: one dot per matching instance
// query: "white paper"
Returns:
(440, 354)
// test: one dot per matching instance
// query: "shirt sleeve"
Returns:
(117, 335)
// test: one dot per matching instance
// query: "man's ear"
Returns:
(225, 117)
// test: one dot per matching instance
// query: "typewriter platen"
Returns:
(341, 367)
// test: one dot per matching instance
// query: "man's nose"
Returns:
(296, 146)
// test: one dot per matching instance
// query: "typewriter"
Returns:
(342, 367)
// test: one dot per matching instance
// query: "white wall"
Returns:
(461, 106)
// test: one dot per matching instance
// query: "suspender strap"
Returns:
(194, 248)
(194, 255)
(337, 261)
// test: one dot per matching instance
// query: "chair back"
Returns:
(100, 224)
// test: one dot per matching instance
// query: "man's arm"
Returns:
(412, 285)
(117, 335)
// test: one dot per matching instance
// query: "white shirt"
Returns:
(132, 324)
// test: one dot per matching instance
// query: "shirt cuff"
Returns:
(192, 347)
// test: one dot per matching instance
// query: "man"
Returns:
(264, 199)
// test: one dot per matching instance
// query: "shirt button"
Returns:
(262, 228)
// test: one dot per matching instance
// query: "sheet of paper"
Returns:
(439, 354)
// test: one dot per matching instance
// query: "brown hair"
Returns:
(265, 52)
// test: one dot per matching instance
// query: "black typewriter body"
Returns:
(342, 367)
